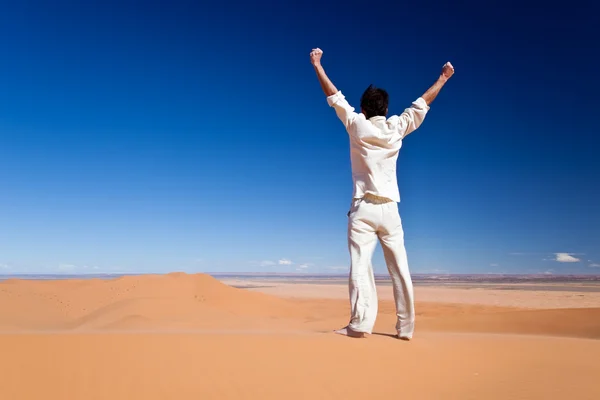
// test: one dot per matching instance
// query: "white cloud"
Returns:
(565, 258)
(494, 265)
(594, 265)
(549, 272)
(285, 261)
(4, 266)
(266, 263)
(66, 267)
(302, 266)
(537, 254)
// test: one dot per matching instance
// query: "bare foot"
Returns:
(347, 331)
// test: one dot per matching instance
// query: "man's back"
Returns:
(374, 145)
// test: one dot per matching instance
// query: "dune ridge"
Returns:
(172, 301)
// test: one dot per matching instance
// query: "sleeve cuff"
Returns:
(420, 102)
(334, 98)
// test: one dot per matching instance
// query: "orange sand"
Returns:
(480, 294)
(192, 337)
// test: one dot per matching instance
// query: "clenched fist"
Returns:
(315, 56)
(447, 70)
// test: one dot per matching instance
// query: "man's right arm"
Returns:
(328, 87)
(335, 98)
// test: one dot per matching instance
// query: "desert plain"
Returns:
(196, 336)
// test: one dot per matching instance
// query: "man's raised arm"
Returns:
(432, 92)
(315, 59)
(412, 117)
(335, 98)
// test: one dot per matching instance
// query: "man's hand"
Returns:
(315, 56)
(432, 92)
(447, 71)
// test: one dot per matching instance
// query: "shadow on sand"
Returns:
(390, 335)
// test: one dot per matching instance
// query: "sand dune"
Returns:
(190, 336)
(172, 301)
(177, 302)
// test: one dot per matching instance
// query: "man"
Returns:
(375, 141)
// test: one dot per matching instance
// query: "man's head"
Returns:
(374, 102)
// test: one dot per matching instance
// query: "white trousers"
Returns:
(369, 221)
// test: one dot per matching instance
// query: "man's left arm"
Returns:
(413, 117)
(434, 90)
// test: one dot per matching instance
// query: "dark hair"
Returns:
(374, 102)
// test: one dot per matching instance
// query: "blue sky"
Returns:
(138, 137)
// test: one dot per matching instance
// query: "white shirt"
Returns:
(375, 144)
